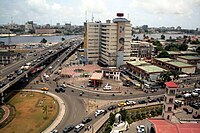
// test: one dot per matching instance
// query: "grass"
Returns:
(30, 116)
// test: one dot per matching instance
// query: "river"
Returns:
(34, 39)
(37, 39)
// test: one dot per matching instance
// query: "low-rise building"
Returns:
(45, 31)
(145, 70)
(8, 57)
(193, 60)
(175, 65)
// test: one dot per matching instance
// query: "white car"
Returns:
(78, 127)
(63, 85)
(187, 95)
(141, 129)
(195, 94)
(54, 131)
(130, 102)
(99, 112)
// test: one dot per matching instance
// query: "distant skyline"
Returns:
(155, 13)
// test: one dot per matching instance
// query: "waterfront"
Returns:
(34, 39)
(37, 39)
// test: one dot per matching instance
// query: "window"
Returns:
(171, 100)
(169, 109)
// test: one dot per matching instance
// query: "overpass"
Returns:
(38, 62)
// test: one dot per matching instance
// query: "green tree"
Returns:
(108, 129)
(165, 76)
(112, 118)
(183, 47)
(43, 40)
(164, 54)
(172, 47)
(163, 37)
(123, 112)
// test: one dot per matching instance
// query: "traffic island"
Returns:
(34, 112)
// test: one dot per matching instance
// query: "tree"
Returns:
(164, 54)
(112, 118)
(165, 76)
(43, 40)
(123, 112)
(183, 47)
(62, 39)
(163, 37)
(172, 47)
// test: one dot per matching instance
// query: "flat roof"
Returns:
(188, 52)
(179, 64)
(189, 57)
(164, 59)
(152, 69)
(96, 76)
(137, 63)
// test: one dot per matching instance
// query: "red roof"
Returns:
(164, 126)
(171, 84)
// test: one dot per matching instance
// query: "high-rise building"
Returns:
(108, 43)
(29, 26)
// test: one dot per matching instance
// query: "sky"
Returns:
(155, 13)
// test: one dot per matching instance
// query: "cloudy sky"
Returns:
(155, 13)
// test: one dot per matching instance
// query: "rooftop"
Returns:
(138, 63)
(164, 126)
(120, 20)
(96, 76)
(152, 69)
(164, 59)
(189, 57)
(179, 64)
(171, 84)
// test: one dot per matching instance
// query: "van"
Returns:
(197, 90)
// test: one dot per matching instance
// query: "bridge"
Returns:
(14, 72)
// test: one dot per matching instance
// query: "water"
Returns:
(37, 39)
(34, 39)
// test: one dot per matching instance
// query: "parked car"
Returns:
(86, 120)
(196, 116)
(78, 127)
(112, 107)
(121, 104)
(130, 102)
(99, 112)
(188, 111)
(54, 131)
(68, 128)
(2, 84)
(142, 102)
(140, 129)
(187, 95)
(152, 100)
(195, 94)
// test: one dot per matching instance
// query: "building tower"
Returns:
(170, 94)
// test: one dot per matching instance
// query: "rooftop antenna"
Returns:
(92, 17)
(85, 16)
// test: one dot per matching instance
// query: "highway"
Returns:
(35, 62)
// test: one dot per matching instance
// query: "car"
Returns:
(86, 120)
(121, 104)
(140, 129)
(130, 102)
(54, 131)
(9, 76)
(187, 95)
(60, 89)
(78, 127)
(196, 116)
(142, 102)
(68, 128)
(99, 112)
(44, 89)
(195, 94)
(2, 84)
(152, 100)
(63, 85)
(112, 107)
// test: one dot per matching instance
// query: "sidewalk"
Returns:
(60, 114)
